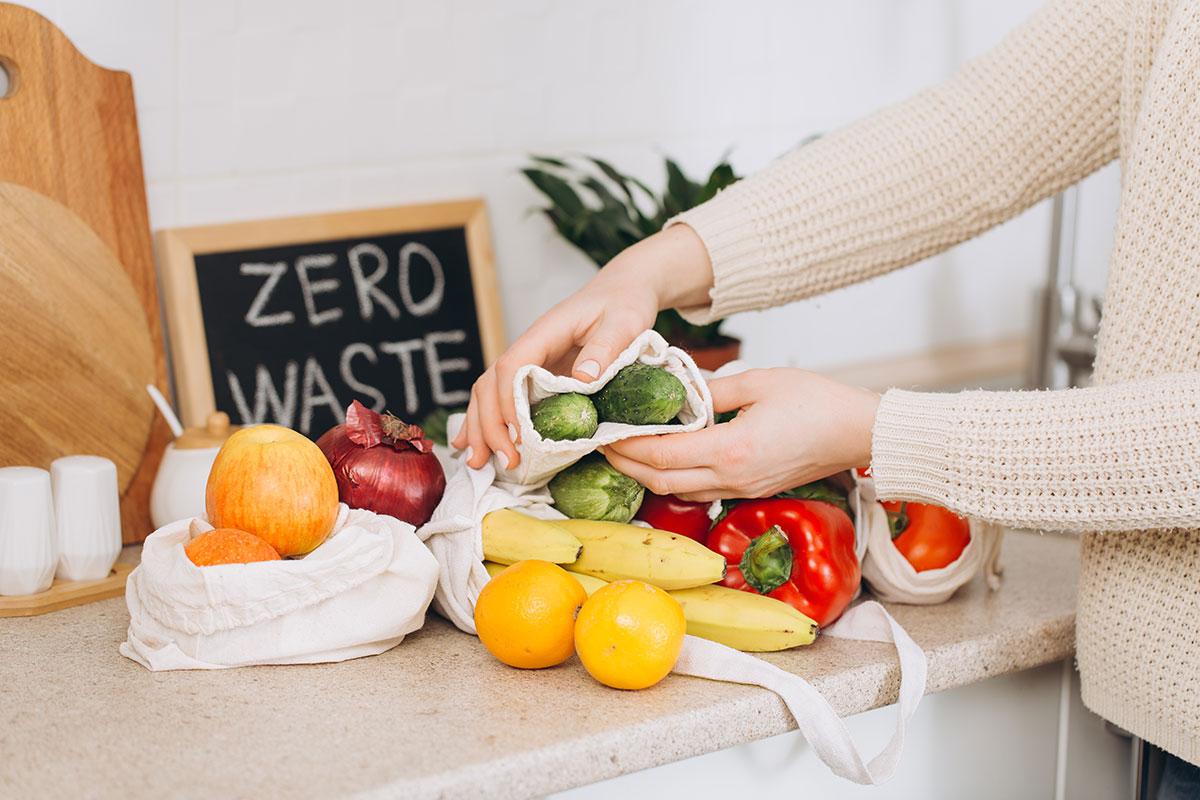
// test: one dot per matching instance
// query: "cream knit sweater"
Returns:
(1080, 83)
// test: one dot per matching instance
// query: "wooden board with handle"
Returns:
(77, 353)
(68, 130)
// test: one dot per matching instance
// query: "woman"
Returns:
(1082, 82)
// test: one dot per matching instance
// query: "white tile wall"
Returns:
(258, 108)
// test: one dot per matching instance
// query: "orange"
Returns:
(629, 634)
(525, 616)
(228, 546)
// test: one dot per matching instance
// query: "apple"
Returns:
(276, 484)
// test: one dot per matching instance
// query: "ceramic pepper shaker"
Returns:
(87, 516)
(27, 552)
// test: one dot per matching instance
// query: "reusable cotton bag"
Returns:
(893, 579)
(454, 536)
(358, 594)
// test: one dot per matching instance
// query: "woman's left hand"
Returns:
(794, 427)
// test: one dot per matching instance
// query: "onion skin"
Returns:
(400, 482)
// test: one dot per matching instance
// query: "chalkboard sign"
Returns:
(289, 320)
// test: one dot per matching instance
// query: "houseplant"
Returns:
(602, 211)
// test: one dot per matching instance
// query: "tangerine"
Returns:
(525, 616)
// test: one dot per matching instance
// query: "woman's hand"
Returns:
(794, 427)
(587, 331)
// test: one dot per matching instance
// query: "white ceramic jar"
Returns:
(179, 486)
(27, 552)
(178, 491)
(87, 516)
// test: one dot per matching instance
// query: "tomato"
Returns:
(930, 537)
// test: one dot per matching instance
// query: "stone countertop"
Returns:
(438, 717)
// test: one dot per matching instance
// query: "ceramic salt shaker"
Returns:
(178, 491)
(87, 516)
(27, 552)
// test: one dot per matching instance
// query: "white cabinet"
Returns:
(996, 739)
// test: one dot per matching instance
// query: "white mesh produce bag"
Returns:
(454, 535)
(893, 579)
(358, 594)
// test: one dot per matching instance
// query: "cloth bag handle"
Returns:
(818, 722)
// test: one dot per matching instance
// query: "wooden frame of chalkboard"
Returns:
(280, 308)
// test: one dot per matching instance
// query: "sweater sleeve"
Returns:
(1028, 118)
(1119, 457)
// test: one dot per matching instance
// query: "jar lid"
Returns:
(213, 434)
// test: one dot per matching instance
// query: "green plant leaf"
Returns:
(550, 160)
(721, 176)
(626, 182)
(603, 214)
(680, 189)
(604, 194)
(556, 189)
(607, 240)
(614, 212)
(560, 222)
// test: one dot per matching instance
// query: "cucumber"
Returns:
(565, 416)
(641, 395)
(591, 488)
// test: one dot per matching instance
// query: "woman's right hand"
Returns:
(587, 330)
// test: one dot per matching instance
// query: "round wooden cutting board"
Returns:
(75, 347)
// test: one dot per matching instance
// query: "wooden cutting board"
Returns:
(77, 353)
(68, 131)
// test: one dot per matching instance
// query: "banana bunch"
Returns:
(605, 550)
(598, 552)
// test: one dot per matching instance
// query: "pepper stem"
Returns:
(898, 520)
(767, 562)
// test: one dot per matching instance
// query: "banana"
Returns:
(589, 584)
(510, 536)
(612, 550)
(742, 620)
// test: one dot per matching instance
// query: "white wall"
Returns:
(259, 108)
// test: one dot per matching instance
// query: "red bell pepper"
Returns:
(797, 551)
(669, 513)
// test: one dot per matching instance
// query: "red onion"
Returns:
(384, 465)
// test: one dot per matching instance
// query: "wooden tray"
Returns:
(64, 594)
(70, 133)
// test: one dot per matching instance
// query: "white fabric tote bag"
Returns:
(454, 536)
(358, 594)
(892, 578)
